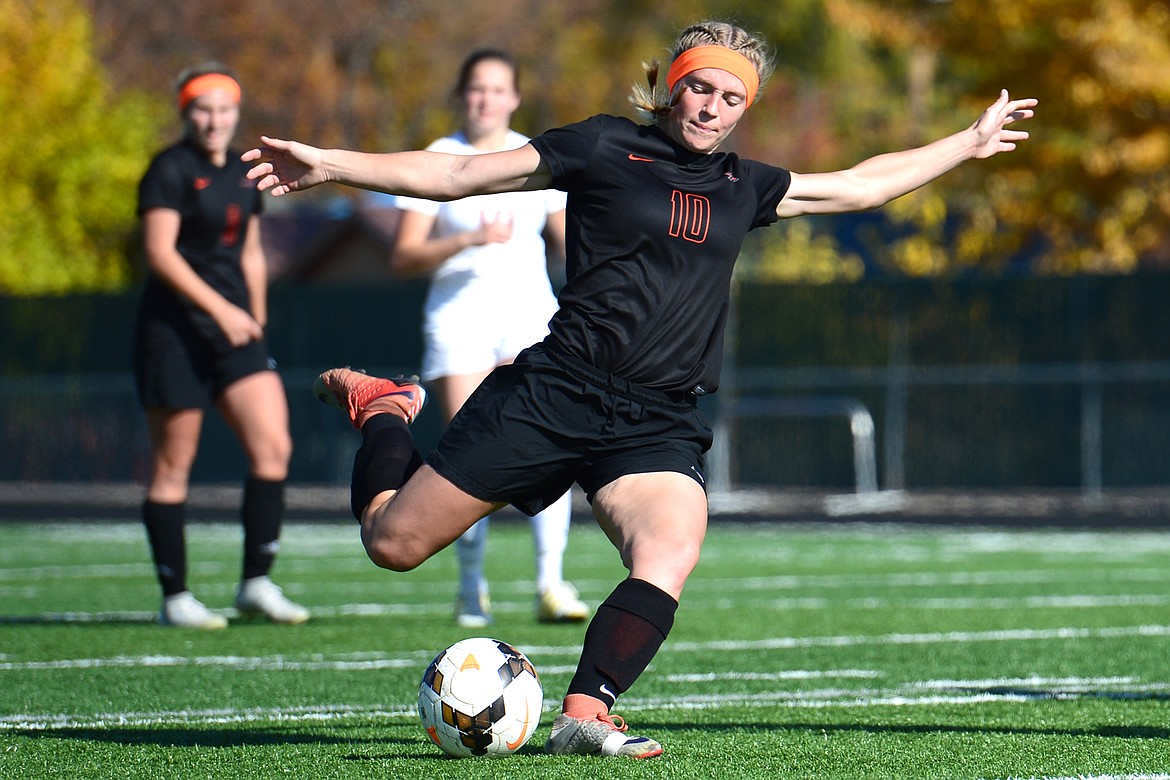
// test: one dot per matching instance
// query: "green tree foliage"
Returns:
(70, 155)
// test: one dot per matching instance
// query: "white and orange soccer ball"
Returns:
(480, 697)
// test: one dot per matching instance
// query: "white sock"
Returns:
(469, 549)
(550, 532)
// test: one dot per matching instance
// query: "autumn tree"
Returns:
(1090, 192)
(378, 74)
(70, 153)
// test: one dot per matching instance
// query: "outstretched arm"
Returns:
(289, 166)
(883, 178)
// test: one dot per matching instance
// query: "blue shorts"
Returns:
(535, 427)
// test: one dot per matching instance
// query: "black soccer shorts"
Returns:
(535, 427)
(177, 368)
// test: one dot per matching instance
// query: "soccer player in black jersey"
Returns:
(655, 219)
(200, 341)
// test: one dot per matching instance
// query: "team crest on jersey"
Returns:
(731, 177)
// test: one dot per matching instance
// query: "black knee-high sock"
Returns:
(168, 546)
(262, 513)
(385, 460)
(622, 639)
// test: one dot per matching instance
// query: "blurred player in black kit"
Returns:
(200, 342)
(655, 219)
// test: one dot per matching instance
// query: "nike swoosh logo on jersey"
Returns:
(202, 183)
(636, 158)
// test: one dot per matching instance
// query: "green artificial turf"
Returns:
(849, 651)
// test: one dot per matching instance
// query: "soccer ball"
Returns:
(480, 697)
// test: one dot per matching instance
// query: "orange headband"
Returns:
(719, 57)
(208, 82)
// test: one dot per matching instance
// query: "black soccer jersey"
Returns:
(215, 205)
(653, 231)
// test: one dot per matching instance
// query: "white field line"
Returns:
(43, 722)
(931, 579)
(203, 717)
(374, 661)
(342, 563)
(1076, 601)
(1035, 602)
(790, 674)
(697, 583)
(919, 693)
(1036, 681)
(318, 534)
(1008, 635)
(348, 610)
(1073, 601)
(241, 663)
(101, 570)
(824, 699)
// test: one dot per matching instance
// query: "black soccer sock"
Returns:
(623, 637)
(262, 513)
(168, 546)
(385, 460)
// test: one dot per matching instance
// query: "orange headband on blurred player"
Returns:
(208, 82)
(719, 57)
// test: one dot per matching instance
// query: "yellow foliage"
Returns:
(70, 157)
(1148, 151)
(792, 252)
(918, 255)
(1088, 190)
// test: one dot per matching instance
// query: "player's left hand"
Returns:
(991, 128)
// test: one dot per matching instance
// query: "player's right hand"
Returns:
(285, 166)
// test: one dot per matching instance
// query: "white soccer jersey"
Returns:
(488, 302)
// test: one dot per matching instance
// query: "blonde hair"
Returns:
(654, 102)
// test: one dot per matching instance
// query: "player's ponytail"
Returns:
(650, 101)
